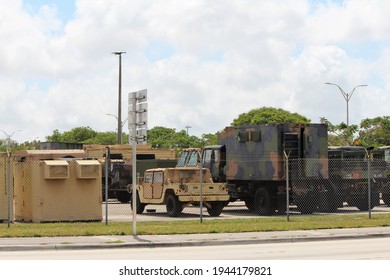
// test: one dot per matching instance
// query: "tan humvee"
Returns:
(179, 187)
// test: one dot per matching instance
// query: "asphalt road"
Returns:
(122, 212)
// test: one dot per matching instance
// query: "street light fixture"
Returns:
(119, 97)
(123, 123)
(347, 96)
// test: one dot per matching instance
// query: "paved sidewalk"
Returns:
(117, 241)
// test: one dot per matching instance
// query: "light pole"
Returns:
(119, 97)
(347, 96)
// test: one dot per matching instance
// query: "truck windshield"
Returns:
(192, 159)
(188, 158)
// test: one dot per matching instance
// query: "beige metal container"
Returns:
(58, 190)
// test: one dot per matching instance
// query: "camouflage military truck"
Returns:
(179, 187)
(252, 161)
(349, 168)
(120, 173)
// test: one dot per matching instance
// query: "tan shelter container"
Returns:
(25, 155)
(58, 190)
(4, 188)
(99, 151)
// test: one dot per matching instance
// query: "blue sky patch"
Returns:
(370, 50)
(156, 51)
(65, 8)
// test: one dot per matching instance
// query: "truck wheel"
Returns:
(140, 206)
(123, 196)
(216, 208)
(386, 199)
(362, 205)
(249, 203)
(263, 203)
(306, 207)
(173, 205)
(328, 201)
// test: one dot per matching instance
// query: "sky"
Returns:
(202, 62)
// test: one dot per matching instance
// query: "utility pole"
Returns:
(347, 96)
(119, 97)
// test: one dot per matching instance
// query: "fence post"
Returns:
(107, 162)
(287, 187)
(9, 190)
(201, 187)
(369, 187)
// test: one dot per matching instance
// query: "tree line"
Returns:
(373, 132)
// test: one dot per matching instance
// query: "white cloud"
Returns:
(203, 62)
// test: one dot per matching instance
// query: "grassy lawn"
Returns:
(194, 226)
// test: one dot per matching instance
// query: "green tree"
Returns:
(161, 137)
(269, 115)
(55, 137)
(78, 134)
(341, 134)
(75, 135)
(374, 132)
(208, 139)
(105, 138)
(371, 132)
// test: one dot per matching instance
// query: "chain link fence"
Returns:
(358, 183)
(74, 190)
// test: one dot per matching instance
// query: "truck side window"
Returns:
(215, 156)
(148, 177)
(207, 156)
(158, 177)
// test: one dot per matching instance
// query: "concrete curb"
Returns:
(75, 243)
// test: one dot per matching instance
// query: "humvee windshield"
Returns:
(188, 158)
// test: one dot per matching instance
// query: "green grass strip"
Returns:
(257, 224)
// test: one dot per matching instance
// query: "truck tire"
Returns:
(216, 208)
(249, 203)
(173, 205)
(362, 204)
(140, 206)
(386, 199)
(123, 196)
(328, 201)
(262, 203)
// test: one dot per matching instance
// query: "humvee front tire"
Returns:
(140, 206)
(216, 208)
(173, 205)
